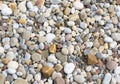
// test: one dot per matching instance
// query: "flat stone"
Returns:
(2, 79)
(69, 68)
(79, 79)
(92, 59)
(22, 7)
(20, 81)
(36, 57)
(61, 57)
(47, 71)
(111, 65)
(59, 80)
(116, 36)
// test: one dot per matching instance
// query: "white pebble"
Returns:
(22, 6)
(79, 79)
(6, 11)
(12, 65)
(78, 5)
(38, 77)
(69, 68)
(1, 50)
(50, 37)
(11, 70)
(108, 39)
(71, 49)
(30, 5)
(107, 78)
(52, 58)
(83, 25)
(113, 44)
(71, 23)
(117, 70)
(116, 36)
(2, 6)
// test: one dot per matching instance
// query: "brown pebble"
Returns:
(59, 80)
(5, 60)
(92, 59)
(47, 71)
(52, 48)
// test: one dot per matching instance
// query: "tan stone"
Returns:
(92, 59)
(2, 79)
(40, 3)
(47, 71)
(28, 62)
(22, 21)
(5, 60)
(20, 81)
(13, 6)
(67, 11)
(52, 48)
(58, 67)
(59, 80)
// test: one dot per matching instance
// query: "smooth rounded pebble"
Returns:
(65, 51)
(107, 78)
(111, 65)
(50, 37)
(20, 81)
(79, 79)
(78, 5)
(11, 71)
(52, 58)
(117, 70)
(108, 39)
(69, 68)
(116, 36)
(6, 11)
(13, 65)
(1, 50)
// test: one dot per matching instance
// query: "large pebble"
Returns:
(50, 37)
(79, 79)
(69, 68)
(107, 78)
(20, 81)
(22, 7)
(78, 5)
(111, 65)
(6, 11)
(36, 57)
(116, 36)
(117, 70)
(13, 65)
(108, 39)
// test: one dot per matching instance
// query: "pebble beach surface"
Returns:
(60, 42)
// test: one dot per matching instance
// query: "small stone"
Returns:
(52, 48)
(67, 30)
(20, 81)
(61, 57)
(6, 11)
(71, 23)
(71, 49)
(28, 62)
(41, 46)
(67, 11)
(69, 68)
(44, 53)
(113, 44)
(58, 67)
(5, 60)
(22, 21)
(65, 51)
(83, 25)
(92, 59)
(40, 3)
(9, 78)
(13, 65)
(78, 5)
(22, 7)
(13, 6)
(107, 78)
(1, 50)
(13, 41)
(36, 57)
(26, 35)
(47, 71)
(59, 80)
(111, 65)
(73, 17)
(117, 70)
(41, 39)
(50, 37)
(2, 79)
(79, 79)
(116, 36)
(52, 58)
(37, 77)
(108, 39)
(11, 71)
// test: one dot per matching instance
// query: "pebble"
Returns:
(116, 36)
(79, 79)
(52, 48)
(20, 81)
(83, 25)
(52, 58)
(107, 78)
(111, 65)
(2, 79)
(13, 65)
(71, 49)
(26, 35)
(65, 51)
(61, 57)
(11, 71)
(1, 50)
(59, 80)
(58, 67)
(47, 71)
(50, 37)
(69, 68)
(36, 57)
(113, 44)
(41, 46)
(78, 5)
(92, 59)
(6, 11)
(55, 1)
(71, 23)
(108, 39)
(67, 12)
(22, 7)
(117, 70)
(67, 30)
